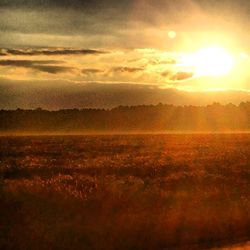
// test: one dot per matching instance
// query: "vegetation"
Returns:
(124, 191)
(161, 117)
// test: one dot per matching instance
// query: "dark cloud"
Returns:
(166, 73)
(49, 52)
(100, 4)
(126, 69)
(44, 66)
(91, 71)
(159, 62)
(27, 63)
(107, 23)
(85, 4)
(53, 69)
(63, 22)
(178, 76)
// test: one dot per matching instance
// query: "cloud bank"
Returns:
(49, 52)
(63, 94)
(137, 66)
(47, 66)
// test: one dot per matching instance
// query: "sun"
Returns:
(212, 61)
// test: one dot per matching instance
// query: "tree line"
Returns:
(161, 117)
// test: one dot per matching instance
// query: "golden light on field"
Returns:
(211, 61)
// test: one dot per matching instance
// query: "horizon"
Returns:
(226, 105)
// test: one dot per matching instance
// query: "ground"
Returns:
(124, 191)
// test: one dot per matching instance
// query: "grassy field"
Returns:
(124, 191)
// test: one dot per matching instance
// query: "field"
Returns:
(124, 191)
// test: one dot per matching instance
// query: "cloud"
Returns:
(177, 76)
(49, 52)
(180, 76)
(53, 69)
(43, 66)
(92, 71)
(58, 94)
(126, 69)
(26, 63)
(74, 4)
(109, 23)
(155, 61)
(121, 5)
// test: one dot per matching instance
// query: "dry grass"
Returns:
(124, 192)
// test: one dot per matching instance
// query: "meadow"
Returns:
(167, 191)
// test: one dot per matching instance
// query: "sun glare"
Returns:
(213, 61)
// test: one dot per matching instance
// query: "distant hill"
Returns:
(215, 117)
(54, 95)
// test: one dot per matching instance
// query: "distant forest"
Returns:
(161, 117)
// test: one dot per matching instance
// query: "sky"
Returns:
(76, 53)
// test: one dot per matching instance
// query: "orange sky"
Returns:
(187, 45)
